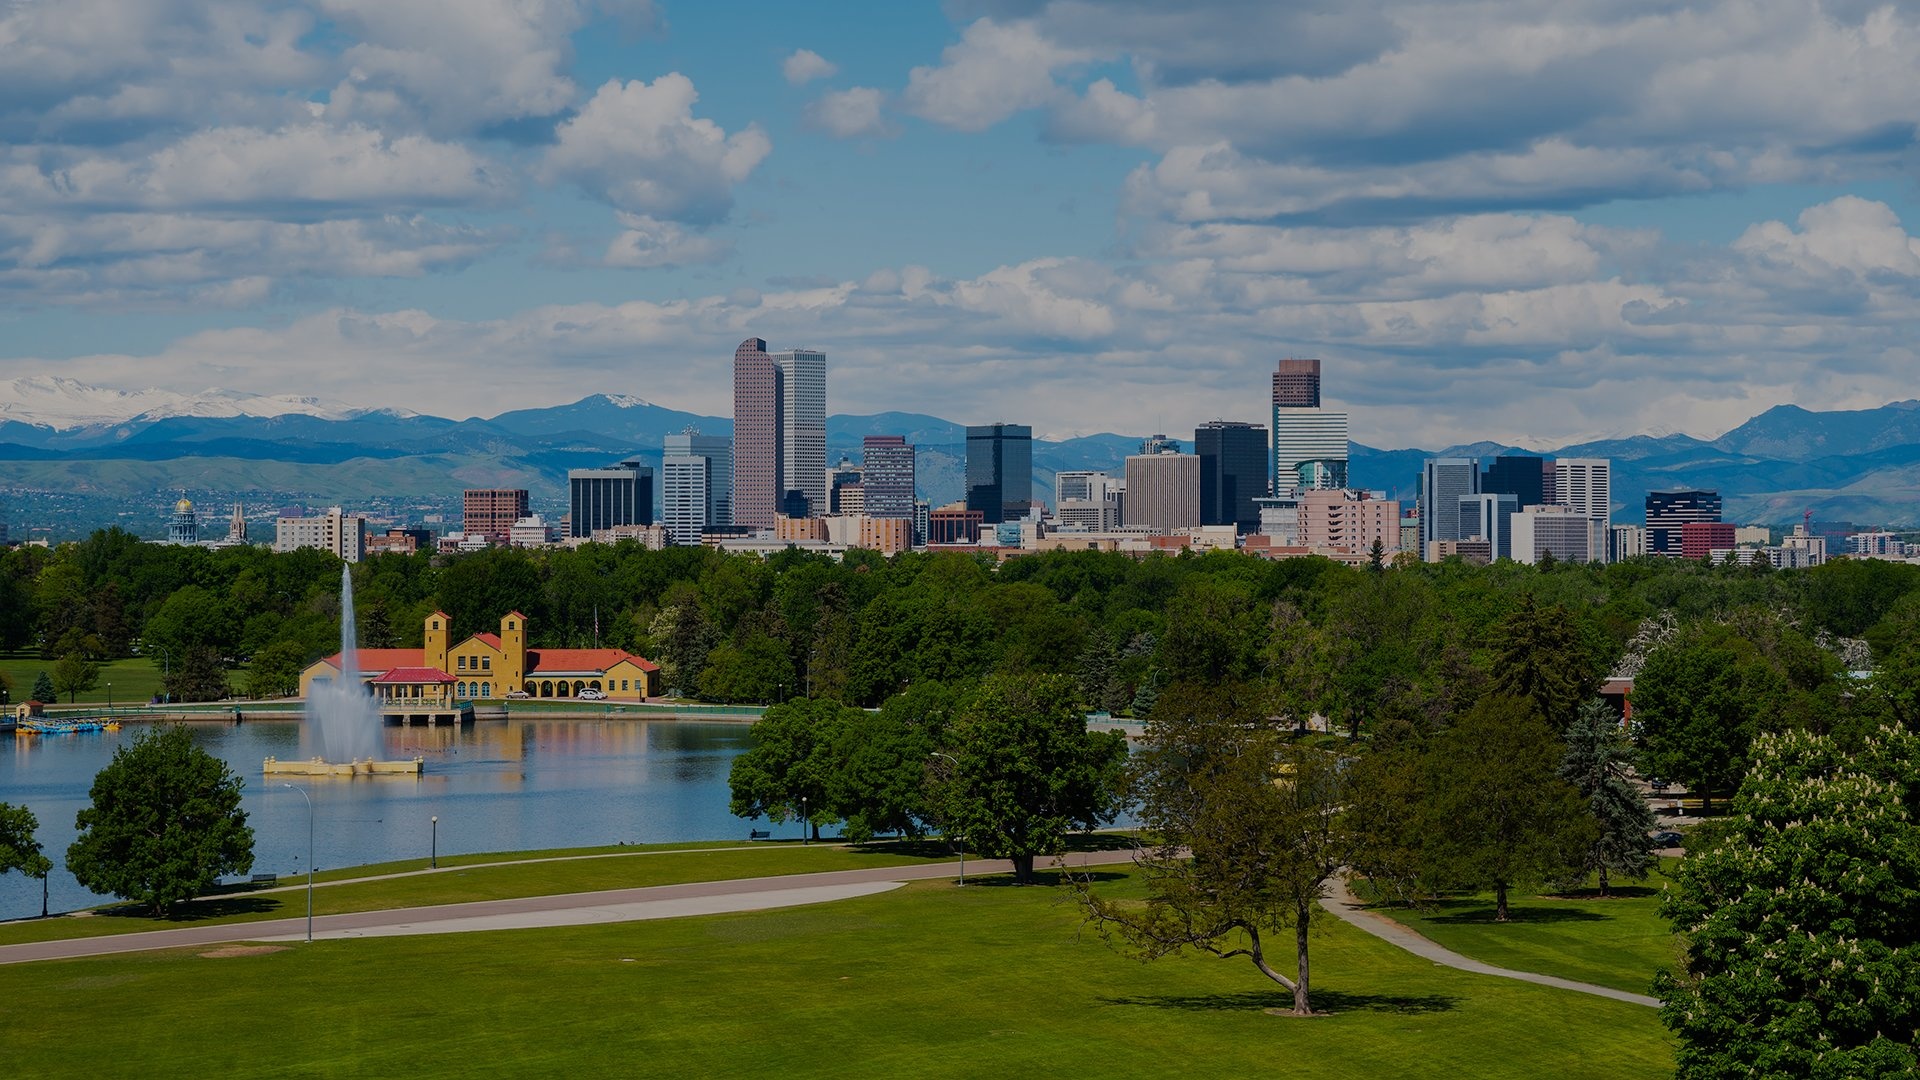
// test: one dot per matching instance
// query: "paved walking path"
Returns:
(567, 909)
(1350, 909)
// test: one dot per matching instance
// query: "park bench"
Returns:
(266, 879)
(759, 834)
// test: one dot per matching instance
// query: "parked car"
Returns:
(1658, 784)
(1667, 838)
(516, 695)
(590, 694)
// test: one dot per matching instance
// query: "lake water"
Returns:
(496, 786)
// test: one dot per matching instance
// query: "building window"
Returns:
(486, 689)
(625, 684)
(486, 663)
(436, 624)
(460, 663)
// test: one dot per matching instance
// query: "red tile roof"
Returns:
(555, 661)
(372, 660)
(487, 639)
(415, 675)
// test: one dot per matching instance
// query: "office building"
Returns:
(605, 498)
(1539, 531)
(1585, 486)
(1699, 539)
(1625, 542)
(779, 432)
(1488, 516)
(1090, 501)
(1296, 384)
(922, 515)
(844, 493)
(1670, 511)
(696, 485)
(1233, 472)
(1349, 521)
(955, 524)
(887, 476)
(491, 512)
(1159, 444)
(1163, 491)
(1000, 471)
(1443, 483)
(1304, 432)
(345, 535)
(1519, 475)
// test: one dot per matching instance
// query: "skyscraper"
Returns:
(779, 432)
(603, 498)
(1233, 472)
(887, 474)
(1443, 483)
(1585, 486)
(696, 484)
(1000, 471)
(491, 512)
(1669, 511)
(1518, 475)
(1489, 516)
(1163, 491)
(1304, 434)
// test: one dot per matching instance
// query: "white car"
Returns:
(517, 695)
(590, 694)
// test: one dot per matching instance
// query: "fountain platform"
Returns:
(322, 767)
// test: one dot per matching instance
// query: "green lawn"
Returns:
(134, 680)
(927, 980)
(1619, 942)
(664, 865)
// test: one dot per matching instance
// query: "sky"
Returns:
(1531, 221)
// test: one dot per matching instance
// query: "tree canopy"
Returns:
(163, 824)
(19, 847)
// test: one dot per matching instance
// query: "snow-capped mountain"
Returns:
(63, 404)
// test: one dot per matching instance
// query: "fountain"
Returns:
(341, 718)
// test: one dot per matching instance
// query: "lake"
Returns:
(495, 786)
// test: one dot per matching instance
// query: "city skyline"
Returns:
(981, 210)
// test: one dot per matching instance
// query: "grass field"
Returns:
(1619, 941)
(925, 981)
(134, 680)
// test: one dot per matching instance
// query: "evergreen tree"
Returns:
(198, 674)
(43, 690)
(1540, 657)
(1596, 764)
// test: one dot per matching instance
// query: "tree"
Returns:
(1596, 764)
(275, 671)
(881, 760)
(73, 674)
(198, 674)
(1541, 658)
(20, 849)
(1247, 829)
(1499, 814)
(1027, 770)
(163, 824)
(1803, 925)
(1698, 702)
(756, 670)
(789, 773)
(43, 690)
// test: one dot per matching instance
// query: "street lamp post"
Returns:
(109, 699)
(436, 841)
(963, 840)
(803, 821)
(303, 794)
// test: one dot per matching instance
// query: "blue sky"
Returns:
(1534, 221)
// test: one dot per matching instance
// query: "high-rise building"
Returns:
(1518, 475)
(491, 512)
(1163, 491)
(607, 498)
(1296, 384)
(1000, 471)
(844, 492)
(1159, 444)
(1489, 516)
(779, 433)
(345, 535)
(696, 485)
(1088, 500)
(887, 475)
(1625, 542)
(1670, 511)
(1585, 486)
(1443, 483)
(1233, 472)
(1349, 521)
(1539, 531)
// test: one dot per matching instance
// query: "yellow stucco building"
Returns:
(491, 666)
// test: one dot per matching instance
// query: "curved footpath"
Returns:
(1349, 908)
(565, 909)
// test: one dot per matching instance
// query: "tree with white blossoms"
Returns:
(1803, 922)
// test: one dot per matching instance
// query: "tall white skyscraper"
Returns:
(696, 484)
(1585, 486)
(803, 425)
(1302, 436)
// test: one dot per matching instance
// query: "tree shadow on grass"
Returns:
(1328, 1001)
(1614, 892)
(1474, 913)
(1044, 878)
(198, 910)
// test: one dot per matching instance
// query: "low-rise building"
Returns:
(491, 666)
(343, 534)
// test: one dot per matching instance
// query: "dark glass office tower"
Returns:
(1669, 511)
(604, 498)
(1518, 475)
(1233, 472)
(1000, 471)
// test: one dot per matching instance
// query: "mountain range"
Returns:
(77, 457)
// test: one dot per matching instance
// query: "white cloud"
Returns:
(646, 242)
(638, 147)
(849, 114)
(805, 65)
(994, 71)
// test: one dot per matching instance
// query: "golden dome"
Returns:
(184, 506)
